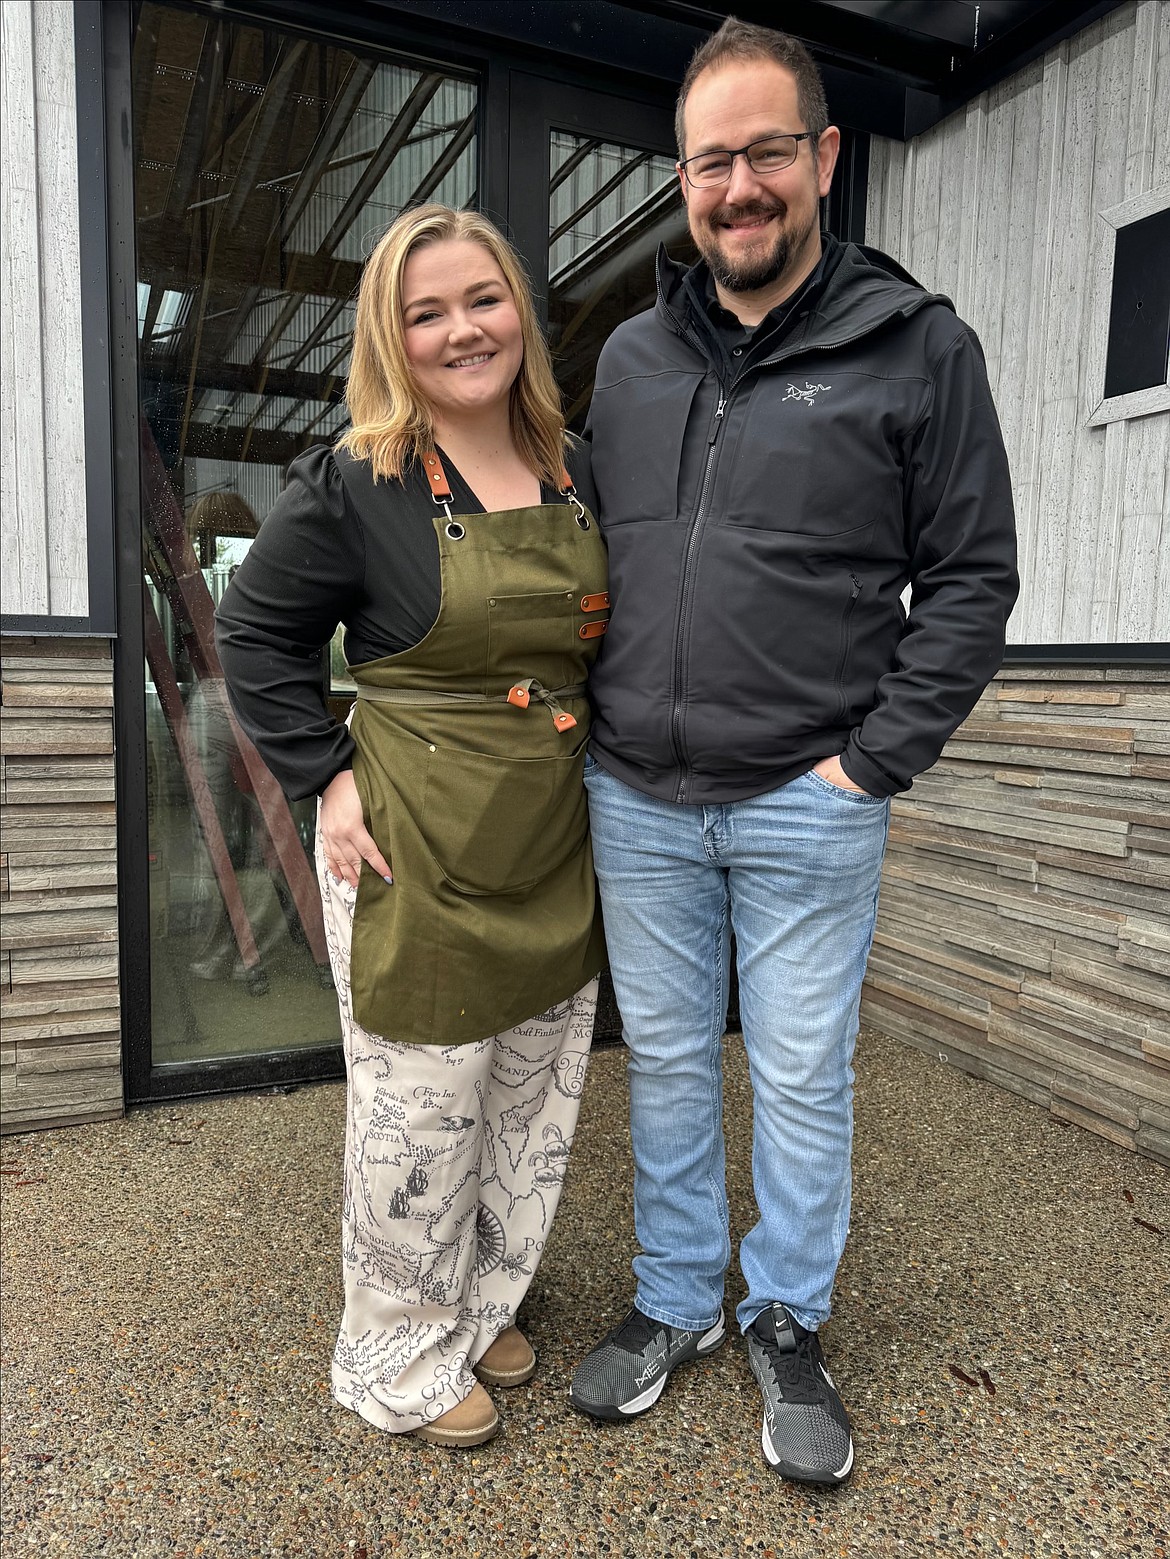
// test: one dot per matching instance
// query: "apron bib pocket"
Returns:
(535, 631)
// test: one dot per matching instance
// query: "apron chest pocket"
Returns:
(533, 636)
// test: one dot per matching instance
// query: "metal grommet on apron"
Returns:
(469, 763)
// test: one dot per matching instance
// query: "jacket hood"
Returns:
(864, 289)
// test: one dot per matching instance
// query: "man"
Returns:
(795, 433)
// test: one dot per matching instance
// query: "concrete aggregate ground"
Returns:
(170, 1288)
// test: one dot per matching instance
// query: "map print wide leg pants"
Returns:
(454, 1160)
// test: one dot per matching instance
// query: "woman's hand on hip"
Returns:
(345, 840)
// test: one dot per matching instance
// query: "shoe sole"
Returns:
(455, 1439)
(505, 1378)
(620, 1412)
(795, 1474)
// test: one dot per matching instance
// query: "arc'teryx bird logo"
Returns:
(808, 394)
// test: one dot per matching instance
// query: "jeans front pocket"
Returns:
(855, 797)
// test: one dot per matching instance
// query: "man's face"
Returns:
(756, 227)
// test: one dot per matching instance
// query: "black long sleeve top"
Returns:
(352, 551)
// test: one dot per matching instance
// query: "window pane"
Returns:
(266, 167)
(610, 207)
(1139, 314)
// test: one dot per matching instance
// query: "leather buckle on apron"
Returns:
(595, 603)
(592, 630)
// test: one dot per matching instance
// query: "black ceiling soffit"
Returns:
(892, 67)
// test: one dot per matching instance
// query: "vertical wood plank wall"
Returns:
(44, 567)
(60, 1045)
(1024, 928)
(997, 207)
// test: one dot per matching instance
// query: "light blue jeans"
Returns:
(795, 874)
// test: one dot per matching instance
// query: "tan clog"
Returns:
(470, 1422)
(509, 1361)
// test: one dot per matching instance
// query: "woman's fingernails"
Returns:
(390, 880)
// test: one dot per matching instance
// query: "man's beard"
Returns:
(751, 273)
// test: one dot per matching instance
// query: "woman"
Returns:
(446, 533)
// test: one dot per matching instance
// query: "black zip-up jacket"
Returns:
(761, 533)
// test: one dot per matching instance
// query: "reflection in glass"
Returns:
(610, 207)
(266, 167)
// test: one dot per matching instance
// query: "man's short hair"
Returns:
(738, 40)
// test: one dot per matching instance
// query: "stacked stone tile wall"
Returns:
(60, 1046)
(1024, 928)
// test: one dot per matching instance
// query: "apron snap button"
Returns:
(430, 747)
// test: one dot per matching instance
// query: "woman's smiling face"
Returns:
(462, 331)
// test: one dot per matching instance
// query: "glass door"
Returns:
(266, 165)
(593, 193)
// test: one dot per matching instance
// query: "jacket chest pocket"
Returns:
(639, 437)
(812, 454)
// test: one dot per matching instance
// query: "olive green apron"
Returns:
(469, 763)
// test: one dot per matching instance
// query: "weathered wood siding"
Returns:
(60, 1046)
(43, 555)
(998, 207)
(1024, 928)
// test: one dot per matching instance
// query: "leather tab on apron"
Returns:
(592, 630)
(522, 693)
(595, 603)
(440, 486)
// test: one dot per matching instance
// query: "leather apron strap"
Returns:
(441, 487)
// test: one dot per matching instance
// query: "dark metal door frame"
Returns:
(539, 104)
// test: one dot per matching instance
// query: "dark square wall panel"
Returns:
(1139, 313)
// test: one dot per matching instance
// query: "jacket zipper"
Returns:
(682, 629)
(846, 646)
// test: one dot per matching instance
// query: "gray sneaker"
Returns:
(624, 1375)
(806, 1428)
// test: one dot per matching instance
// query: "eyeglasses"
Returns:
(767, 156)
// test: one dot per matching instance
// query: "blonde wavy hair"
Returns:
(392, 422)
